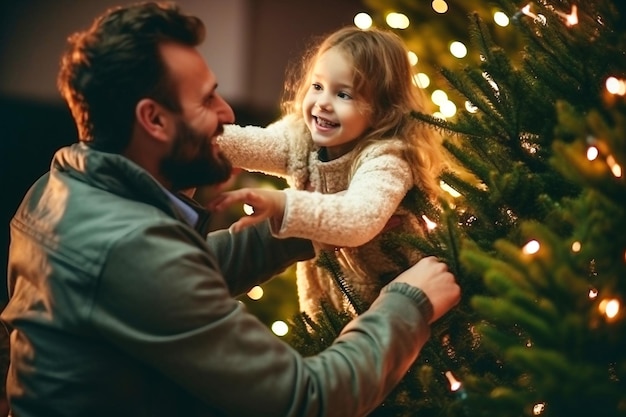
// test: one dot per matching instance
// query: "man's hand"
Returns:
(265, 204)
(434, 279)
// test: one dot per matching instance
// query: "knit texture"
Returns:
(347, 217)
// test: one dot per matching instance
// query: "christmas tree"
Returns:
(535, 233)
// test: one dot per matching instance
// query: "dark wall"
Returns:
(30, 132)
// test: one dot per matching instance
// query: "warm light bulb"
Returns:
(615, 86)
(571, 19)
(537, 18)
(439, 6)
(439, 97)
(430, 225)
(445, 187)
(531, 247)
(616, 169)
(491, 82)
(593, 293)
(363, 21)
(470, 107)
(397, 21)
(576, 246)
(255, 293)
(454, 383)
(501, 19)
(448, 108)
(458, 49)
(609, 307)
(413, 59)
(539, 408)
(421, 80)
(280, 328)
(248, 209)
(592, 153)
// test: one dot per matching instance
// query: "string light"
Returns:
(531, 247)
(280, 328)
(493, 84)
(592, 153)
(256, 293)
(397, 20)
(616, 169)
(447, 188)
(470, 107)
(430, 225)
(609, 307)
(576, 246)
(455, 385)
(537, 18)
(439, 97)
(248, 209)
(413, 59)
(439, 6)
(421, 80)
(571, 19)
(539, 408)
(363, 21)
(593, 293)
(458, 49)
(615, 86)
(501, 19)
(448, 108)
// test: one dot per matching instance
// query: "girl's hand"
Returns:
(265, 204)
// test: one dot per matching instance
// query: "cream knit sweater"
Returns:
(341, 214)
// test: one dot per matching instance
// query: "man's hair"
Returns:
(108, 68)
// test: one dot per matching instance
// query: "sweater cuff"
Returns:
(417, 295)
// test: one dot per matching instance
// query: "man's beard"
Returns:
(192, 162)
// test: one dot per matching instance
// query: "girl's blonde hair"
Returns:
(383, 82)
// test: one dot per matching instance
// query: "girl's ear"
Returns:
(154, 119)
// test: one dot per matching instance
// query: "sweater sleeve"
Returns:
(270, 149)
(354, 217)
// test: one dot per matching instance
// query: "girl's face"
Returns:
(331, 108)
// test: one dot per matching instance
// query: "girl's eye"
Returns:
(316, 86)
(344, 95)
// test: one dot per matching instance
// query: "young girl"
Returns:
(350, 151)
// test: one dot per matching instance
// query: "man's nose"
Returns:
(225, 112)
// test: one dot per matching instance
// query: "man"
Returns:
(120, 305)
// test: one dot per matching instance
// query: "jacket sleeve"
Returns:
(179, 319)
(354, 217)
(265, 255)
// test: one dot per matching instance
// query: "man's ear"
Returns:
(154, 119)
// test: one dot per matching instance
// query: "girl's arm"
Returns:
(271, 150)
(350, 218)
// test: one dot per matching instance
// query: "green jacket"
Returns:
(120, 308)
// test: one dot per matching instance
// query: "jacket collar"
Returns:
(119, 175)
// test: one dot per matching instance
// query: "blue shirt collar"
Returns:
(189, 214)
